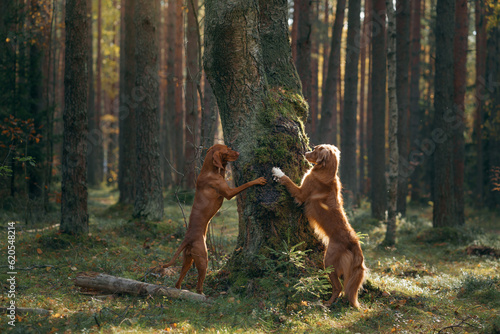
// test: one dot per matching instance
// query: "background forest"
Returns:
(107, 109)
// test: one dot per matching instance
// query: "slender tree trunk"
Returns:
(94, 136)
(130, 96)
(365, 46)
(74, 216)
(170, 139)
(304, 41)
(326, 44)
(402, 90)
(311, 127)
(459, 87)
(392, 66)
(96, 150)
(492, 118)
(192, 78)
(445, 207)
(36, 59)
(378, 84)
(328, 125)
(180, 120)
(416, 114)
(149, 200)
(369, 111)
(480, 95)
(262, 112)
(295, 25)
(348, 167)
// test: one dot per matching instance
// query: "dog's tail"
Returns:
(356, 277)
(177, 253)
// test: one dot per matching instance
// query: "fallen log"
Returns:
(25, 310)
(103, 282)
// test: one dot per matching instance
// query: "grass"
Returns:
(425, 284)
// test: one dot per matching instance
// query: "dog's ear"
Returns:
(217, 160)
(336, 157)
(323, 156)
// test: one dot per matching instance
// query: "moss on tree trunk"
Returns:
(248, 63)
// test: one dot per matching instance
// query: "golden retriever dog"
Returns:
(320, 192)
(211, 189)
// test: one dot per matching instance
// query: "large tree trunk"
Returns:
(129, 99)
(328, 125)
(208, 117)
(445, 211)
(74, 216)
(377, 170)
(402, 91)
(193, 77)
(390, 235)
(348, 168)
(248, 63)
(149, 199)
(459, 87)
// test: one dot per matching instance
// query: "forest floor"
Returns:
(428, 283)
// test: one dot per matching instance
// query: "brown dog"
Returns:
(211, 189)
(321, 192)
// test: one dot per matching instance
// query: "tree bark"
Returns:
(36, 55)
(180, 120)
(311, 127)
(445, 208)
(193, 76)
(129, 98)
(392, 67)
(329, 112)
(326, 42)
(365, 46)
(209, 117)
(480, 95)
(108, 283)
(149, 199)
(170, 139)
(459, 88)
(248, 63)
(378, 84)
(402, 91)
(492, 118)
(96, 150)
(348, 167)
(74, 216)
(304, 41)
(416, 114)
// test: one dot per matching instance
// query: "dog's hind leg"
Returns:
(201, 263)
(331, 261)
(186, 265)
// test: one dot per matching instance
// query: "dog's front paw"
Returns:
(261, 180)
(277, 173)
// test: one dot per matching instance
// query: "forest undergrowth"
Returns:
(433, 281)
